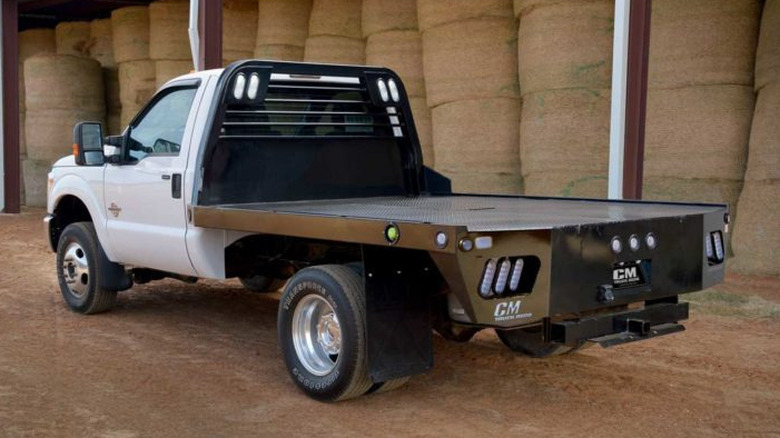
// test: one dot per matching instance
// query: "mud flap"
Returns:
(399, 286)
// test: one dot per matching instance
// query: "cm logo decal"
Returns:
(626, 274)
(509, 310)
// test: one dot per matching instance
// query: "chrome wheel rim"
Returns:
(316, 335)
(75, 269)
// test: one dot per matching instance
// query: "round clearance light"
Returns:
(392, 234)
(616, 245)
(238, 88)
(441, 239)
(393, 90)
(380, 84)
(651, 241)
(254, 86)
(633, 242)
(466, 245)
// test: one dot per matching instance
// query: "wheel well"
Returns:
(69, 209)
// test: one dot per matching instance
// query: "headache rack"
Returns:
(298, 106)
(333, 131)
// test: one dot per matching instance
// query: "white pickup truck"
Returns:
(311, 175)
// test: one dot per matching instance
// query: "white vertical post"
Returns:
(617, 131)
(192, 31)
(2, 131)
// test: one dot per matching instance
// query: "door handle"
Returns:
(176, 186)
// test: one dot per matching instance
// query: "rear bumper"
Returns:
(621, 327)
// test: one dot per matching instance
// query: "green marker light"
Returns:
(392, 234)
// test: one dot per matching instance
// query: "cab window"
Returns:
(160, 129)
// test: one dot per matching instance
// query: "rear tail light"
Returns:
(713, 246)
(508, 275)
(485, 286)
(503, 275)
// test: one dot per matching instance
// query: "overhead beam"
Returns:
(35, 5)
(210, 30)
(636, 98)
(10, 72)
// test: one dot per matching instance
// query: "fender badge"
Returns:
(114, 209)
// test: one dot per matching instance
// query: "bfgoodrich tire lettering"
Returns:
(343, 291)
(79, 262)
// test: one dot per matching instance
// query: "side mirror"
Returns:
(112, 149)
(88, 144)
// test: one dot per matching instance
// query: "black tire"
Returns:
(529, 341)
(84, 289)
(261, 283)
(343, 291)
(390, 385)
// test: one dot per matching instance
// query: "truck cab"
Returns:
(312, 175)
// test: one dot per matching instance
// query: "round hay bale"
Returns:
(422, 121)
(336, 18)
(130, 33)
(111, 85)
(36, 42)
(50, 84)
(283, 22)
(485, 183)
(566, 184)
(239, 21)
(137, 84)
(768, 52)
(49, 132)
(72, 38)
(335, 49)
(471, 60)
(168, 37)
(33, 42)
(432, 13)
(715, 190)
(167, 70)
(114, 123)
(36, 180)
(567, 45)
(564, 132)
(522, 7)
(756, 237)
(698, 132)
(400, 51)
(478, 137)
(385, 15)
(764, 151)
(101, 46)
(702, 42)
(279, 52)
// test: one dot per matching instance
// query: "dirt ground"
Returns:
(177, 360)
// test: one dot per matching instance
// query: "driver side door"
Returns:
(144, 196)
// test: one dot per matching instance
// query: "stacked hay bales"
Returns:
(335, 33)
(72, 38)
(700, 99)
(55, 103)
(101, 49)
(32, 42)
(393, 41)
(470, 65)
(130, 34)
(565, 64)
(239, 29)
(282, 28)
(169, 44)
(756, 240)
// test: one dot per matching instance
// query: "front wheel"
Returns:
(322, 332)
(81, 266)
